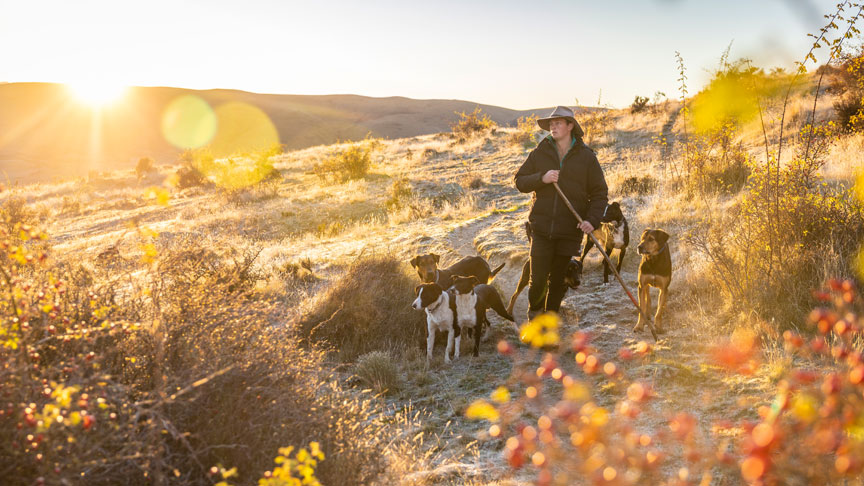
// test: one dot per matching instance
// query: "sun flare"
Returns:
(96, 94)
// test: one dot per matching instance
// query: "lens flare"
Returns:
(243, 128)
(188, 122)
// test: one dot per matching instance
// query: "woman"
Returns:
(563, 158)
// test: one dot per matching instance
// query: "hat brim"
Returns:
(544, 122)
(577, 130)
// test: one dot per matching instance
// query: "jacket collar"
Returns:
(551, 142)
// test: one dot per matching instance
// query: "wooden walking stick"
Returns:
(609, 262)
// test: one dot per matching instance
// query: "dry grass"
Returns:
(332, 263)
(367, 309)
(379, 371)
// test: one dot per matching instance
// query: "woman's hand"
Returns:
(550, 177)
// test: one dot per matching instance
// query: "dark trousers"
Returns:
(549, 260)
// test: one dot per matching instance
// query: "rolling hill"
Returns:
(45, 133)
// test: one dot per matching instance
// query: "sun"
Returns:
(96, 94)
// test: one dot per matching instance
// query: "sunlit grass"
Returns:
(336, 224)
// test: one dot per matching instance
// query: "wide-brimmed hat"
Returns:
(562, 112)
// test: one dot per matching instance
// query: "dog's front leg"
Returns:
(661, 308)
(430, 343)
(458, 346)
(644, 306)
(606, 268)
(450, 336)
(621, 252)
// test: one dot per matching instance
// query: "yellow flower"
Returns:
(481, 409)
(501, 395)
(541, 331)
(804, 408)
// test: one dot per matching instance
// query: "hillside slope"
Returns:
(46, 133)
(457, 199)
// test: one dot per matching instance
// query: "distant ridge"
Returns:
(45, 133)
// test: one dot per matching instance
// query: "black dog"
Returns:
(572, 278)
(427, 269)
(472, 301)
(613, 233)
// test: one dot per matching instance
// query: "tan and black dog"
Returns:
(613, 233)
(427, 269)
(655, 270)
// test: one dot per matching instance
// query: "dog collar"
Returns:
(660, 250)
(431, 310)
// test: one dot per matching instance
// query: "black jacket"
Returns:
(581, 179)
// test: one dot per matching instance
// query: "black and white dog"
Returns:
(440, 316)
(472, 301)
(613, 233)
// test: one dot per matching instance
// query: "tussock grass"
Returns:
(379, 371)
(366, 309)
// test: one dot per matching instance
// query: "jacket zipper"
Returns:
(556, 196)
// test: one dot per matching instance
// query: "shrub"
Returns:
(378, 371)
(399, 193)
(639, 104)
(849, 111)
(161, 370)
(803, 434)
(658, 103)
(299, 272)
(349, 163)
(189, 177)
(638, 185)
(144, 167)
(471, 124)
(597, 124)
(714, 164)
(469, 178)
(526, 130)
(245, 171)
(786, 233)
(193, 167)
(366, 309)
(14, 212)
(70, 205)
(472, 181)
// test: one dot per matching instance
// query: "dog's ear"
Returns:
(645, 233)
(417, 290)
(414, 261)
(436, 257)
(662, 236)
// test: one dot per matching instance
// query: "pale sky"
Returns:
(515, 54)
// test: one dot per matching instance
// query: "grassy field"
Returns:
(299, 287)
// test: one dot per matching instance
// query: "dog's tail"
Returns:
(495, 272)
(497, 305)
